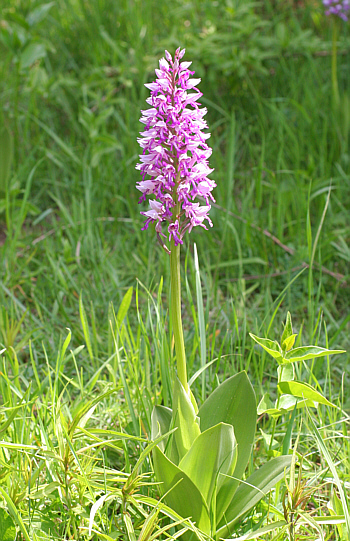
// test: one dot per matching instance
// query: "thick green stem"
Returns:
(335, 88)
(176, 314)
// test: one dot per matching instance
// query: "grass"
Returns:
(71, 85)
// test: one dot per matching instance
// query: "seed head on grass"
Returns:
(175, 153)
(340, 8)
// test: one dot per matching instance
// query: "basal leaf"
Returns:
(160, 423)
(272, 347)
(233, 402)
(303, 390)
(185, 420)
(252, 490)
(309, 352)
(212, 453)
(184, 497)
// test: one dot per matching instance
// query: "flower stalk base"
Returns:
(176, 314)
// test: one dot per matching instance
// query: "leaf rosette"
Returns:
(200, 465)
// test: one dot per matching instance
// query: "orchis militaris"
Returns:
(340, 8)
(175, 157)
(175, 154)
(336, 9)
(200, 454)
(204, 452)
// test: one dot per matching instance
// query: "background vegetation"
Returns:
(71, 245)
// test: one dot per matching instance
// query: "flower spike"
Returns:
(340, 8)
(175, 153)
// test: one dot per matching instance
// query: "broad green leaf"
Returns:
(288, 329)
(303, 390)
(252, 490)
(160, 423)
(32, 53)
(234, 403)
(39, 13)
(272, 347)
(288, 343)
(309, 352)
(212, 453)
(287, 402)
(184, 497)
(265, 404)
(6, 155)
(7, 527)
(185, 420)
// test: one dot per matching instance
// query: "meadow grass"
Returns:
(74, 420)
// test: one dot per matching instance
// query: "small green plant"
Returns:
(291, 392)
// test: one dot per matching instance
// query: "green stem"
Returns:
(176, 314)
(274, 424)
(335, 88)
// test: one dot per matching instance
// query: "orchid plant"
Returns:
(203, 452)
(175, 157)
(291, 392)
(340, 8)
(336, 10)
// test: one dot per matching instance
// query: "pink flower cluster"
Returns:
(175, 153)
(339, 8)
